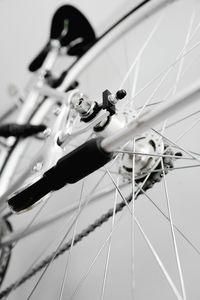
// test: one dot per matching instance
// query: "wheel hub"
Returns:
(148, 150)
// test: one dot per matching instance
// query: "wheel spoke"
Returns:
(64, 281)
(178, 146)
(42, 253)
(173, 234)
(187, 40)
(188, 130)
(171, 169)
(155, 155)
(167, 276)
(26, 229)
(84, 277)
(182, 119)
(133, 226)
(190, 243)
(160, 263)
(118, 190)
(52, 259)
(171, 66)
(147, 102)
(135, 81)
(164, 77)
(75, 218)
(109, 243)
(146, 43)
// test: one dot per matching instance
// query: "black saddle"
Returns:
(78, 38)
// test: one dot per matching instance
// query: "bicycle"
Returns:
(149, 156)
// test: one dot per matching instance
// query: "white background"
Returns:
(24, 30)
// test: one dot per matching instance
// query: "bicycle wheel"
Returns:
(128, 272)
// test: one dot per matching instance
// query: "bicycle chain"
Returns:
(153, 178)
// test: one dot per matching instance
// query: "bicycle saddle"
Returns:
(78, 37)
